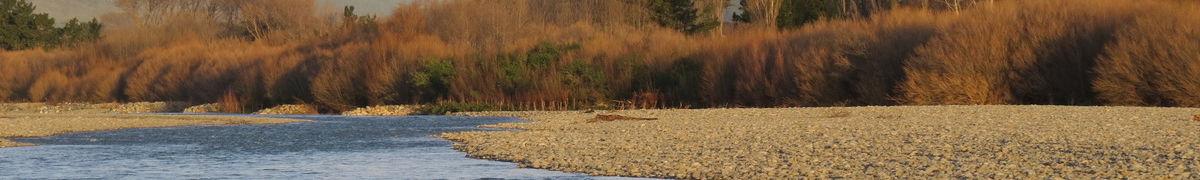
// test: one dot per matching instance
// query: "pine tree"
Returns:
(795, 13)
(20, 28)
(681, 15)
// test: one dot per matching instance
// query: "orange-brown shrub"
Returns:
(16, 75)
(1155, 61)
(231, 103)
(1018, 52)
(338, 84)
(826, 63)
(49, 86)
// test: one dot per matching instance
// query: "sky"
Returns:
(63, 10)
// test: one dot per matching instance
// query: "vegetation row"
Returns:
(553, 54)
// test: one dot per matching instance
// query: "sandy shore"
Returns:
(857, 142)
(38, 125)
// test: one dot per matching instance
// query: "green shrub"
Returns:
(433, 79)
(586, 81)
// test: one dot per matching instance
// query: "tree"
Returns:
(74, 32)
(794, 13)
(359, 24)
(763, 12)
(681, 15)
(254, 19)
(20, 28)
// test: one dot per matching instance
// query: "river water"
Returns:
(330, 147)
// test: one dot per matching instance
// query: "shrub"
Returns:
(51, 86)
(531, 54)
(1155, 61)
(16, 76)
(231, 103)
(338, 85)
(586, 81)
(1023, 52)
(433, 80)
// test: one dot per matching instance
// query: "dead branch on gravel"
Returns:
(1196, 118)
(607, 118)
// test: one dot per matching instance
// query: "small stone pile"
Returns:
(289, 109)
(388, 110)
(74, 107)
(204, 108)
(149, 107)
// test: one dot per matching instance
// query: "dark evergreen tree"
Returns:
(795, 13)
(681, 15)
(20, 28)
(74, 32)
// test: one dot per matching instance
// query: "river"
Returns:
(329, 147)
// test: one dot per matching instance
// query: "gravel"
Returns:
(204, 108)
(89, 108)
(37, 125)
(854, 142)
(150, 107)
(388, 110)
(288, 109)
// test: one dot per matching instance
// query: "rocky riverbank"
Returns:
(854, 142)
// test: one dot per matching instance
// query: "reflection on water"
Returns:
(331, 147)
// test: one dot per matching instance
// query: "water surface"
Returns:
(330, 147)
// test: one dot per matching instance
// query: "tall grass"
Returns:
(547, 54)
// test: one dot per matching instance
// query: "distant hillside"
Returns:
(63, 10)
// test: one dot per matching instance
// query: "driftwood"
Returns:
(607, 118)
(1196, 118)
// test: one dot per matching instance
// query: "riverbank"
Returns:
(853, 142)
(36, 120)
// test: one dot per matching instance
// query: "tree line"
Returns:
(540, 54)
(21, 28)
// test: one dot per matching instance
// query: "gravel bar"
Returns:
(39, 125)
(854, 142)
